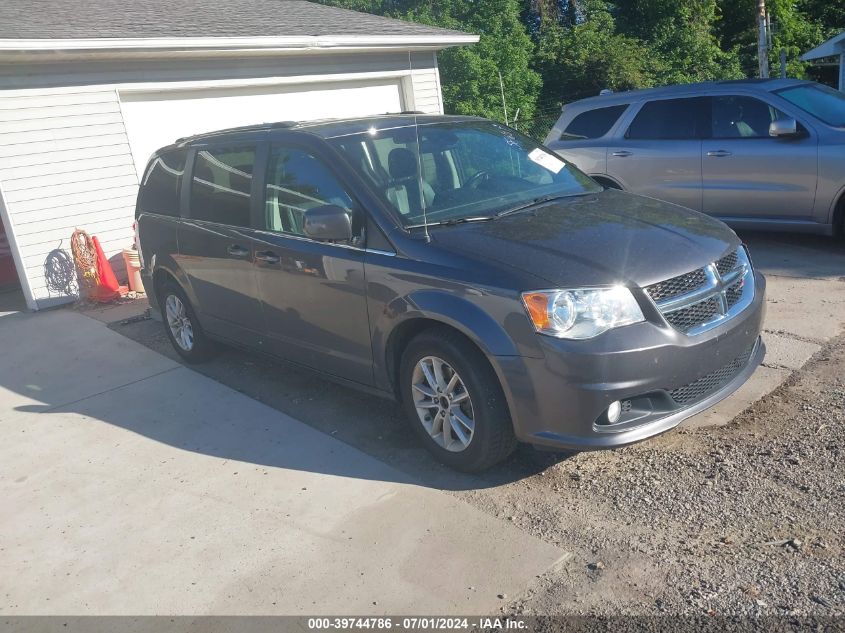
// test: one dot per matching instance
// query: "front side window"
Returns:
(437, 172)
(221, 184)
(296, 182)
(742, 117)
(593, 123)
(671, 119)
(824, 103)
(162, 182)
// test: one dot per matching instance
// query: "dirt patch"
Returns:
(744, 519)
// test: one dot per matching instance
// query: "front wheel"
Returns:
(454, 402)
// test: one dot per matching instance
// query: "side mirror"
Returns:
(783, 127)
(328, 222)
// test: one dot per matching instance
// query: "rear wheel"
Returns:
(454, 402)
(182, 326)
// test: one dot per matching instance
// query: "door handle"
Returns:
(720, 153)
(622, 153)
(236, 250)
(268, 257)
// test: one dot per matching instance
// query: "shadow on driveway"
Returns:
(791, 255)
(62, 362)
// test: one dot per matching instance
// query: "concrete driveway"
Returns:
(140, 486)
(133, 485)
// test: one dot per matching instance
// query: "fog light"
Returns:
(614, 412)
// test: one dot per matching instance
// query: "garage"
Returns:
(153, 120)
(82, 110)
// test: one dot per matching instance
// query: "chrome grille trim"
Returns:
(728, 283)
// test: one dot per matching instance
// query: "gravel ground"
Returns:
(746, 519)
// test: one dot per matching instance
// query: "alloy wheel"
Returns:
(443, 404)
(179, 322)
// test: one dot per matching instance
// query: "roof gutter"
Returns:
(116, 48)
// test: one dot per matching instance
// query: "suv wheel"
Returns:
(182, 325)
(454, 402)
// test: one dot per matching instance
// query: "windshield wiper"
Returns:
(538, 201)
(454, 221)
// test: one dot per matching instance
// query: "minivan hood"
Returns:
(600, 239)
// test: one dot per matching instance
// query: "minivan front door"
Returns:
(748, 174)
(660, 154)
(216, 245)
(313, 293)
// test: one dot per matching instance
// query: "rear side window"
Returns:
(593, 123)
(221, 185)
(671, 119)
(162, 182)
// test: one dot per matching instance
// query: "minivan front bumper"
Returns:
(661, 376)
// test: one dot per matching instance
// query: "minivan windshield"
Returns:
(824, 103)
(444, 172)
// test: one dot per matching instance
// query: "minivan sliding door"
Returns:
(216, 246)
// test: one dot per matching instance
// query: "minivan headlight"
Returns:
(582, 313)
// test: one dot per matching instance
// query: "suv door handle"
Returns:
(235, 250)
(622, 153)
(268, 257)
(720, 153)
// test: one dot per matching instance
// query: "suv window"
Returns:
(298, 181)
(742, 117)
(221, 184)
(593, 123)
(162, 182)
(671, 119)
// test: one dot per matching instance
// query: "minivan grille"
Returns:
(726, 264)
(712, 382)
(701, 299)
(687, 318)
(677, 285)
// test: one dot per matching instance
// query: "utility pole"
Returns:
(762, 39)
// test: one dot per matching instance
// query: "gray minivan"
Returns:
(766, 154)
(495, 290)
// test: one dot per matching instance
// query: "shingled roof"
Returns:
(125, 19)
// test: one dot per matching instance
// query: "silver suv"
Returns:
(756, 153)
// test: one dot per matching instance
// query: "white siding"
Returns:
(66, 160)
(65, 163)
(426, 84)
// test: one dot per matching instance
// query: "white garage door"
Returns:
(154, 120)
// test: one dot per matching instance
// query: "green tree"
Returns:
(682, 36)
(470, 74)
(580, 54)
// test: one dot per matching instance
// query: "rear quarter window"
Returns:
(162, 182)
(672, 119)
(593, 123)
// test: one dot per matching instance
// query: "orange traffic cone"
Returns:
(107, 287)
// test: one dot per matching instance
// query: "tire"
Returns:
(491, 439)
(187, 338)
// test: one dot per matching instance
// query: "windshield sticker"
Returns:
(550, 162)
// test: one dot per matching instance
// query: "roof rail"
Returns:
(256, 127)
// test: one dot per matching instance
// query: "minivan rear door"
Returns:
(749, 174)
(660, 153)
(216, 246)
(313, 293)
